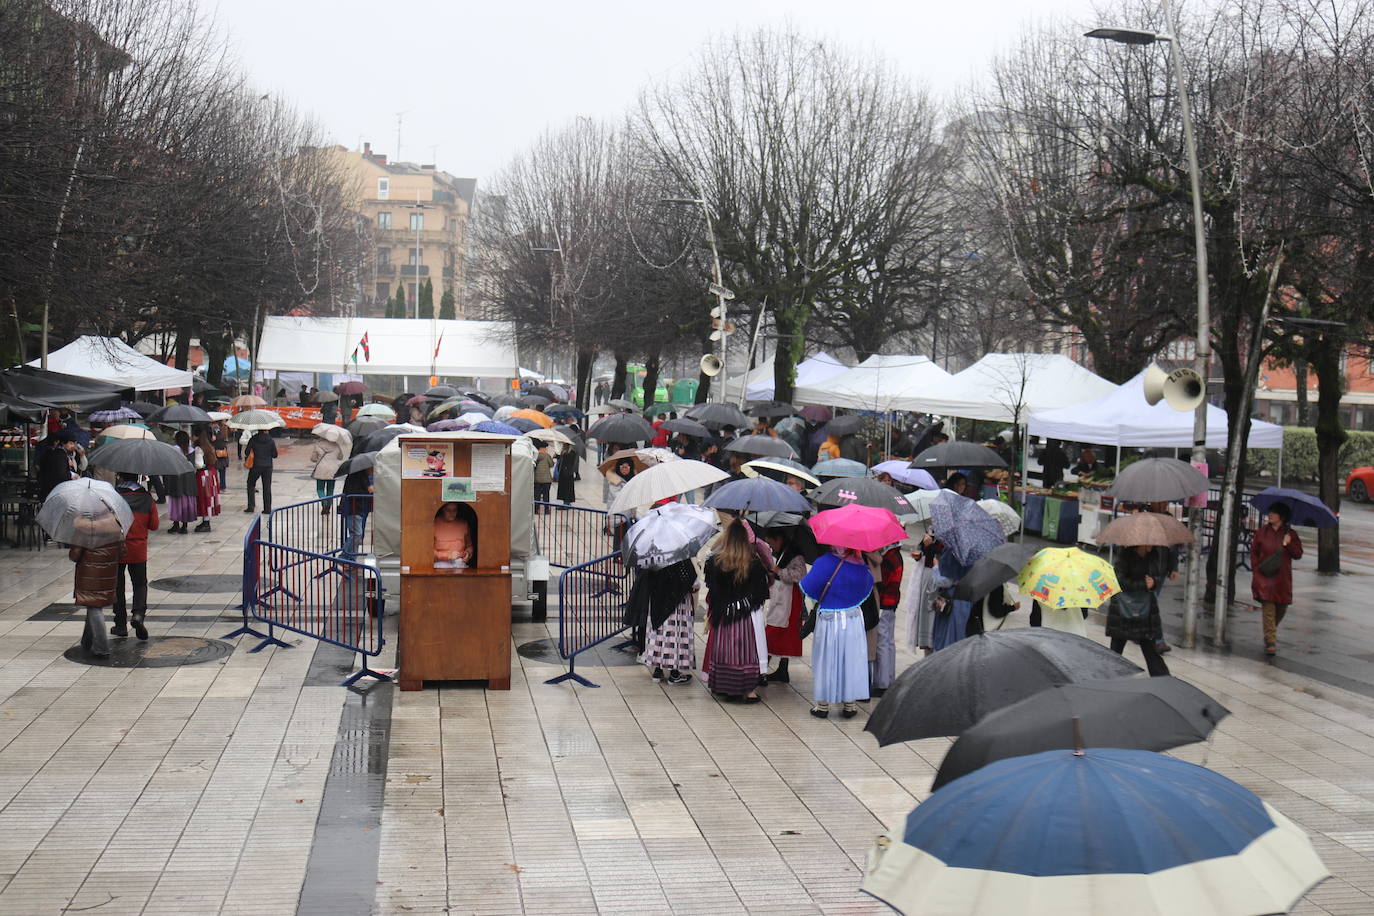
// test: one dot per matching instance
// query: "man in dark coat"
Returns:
(1133, 615)
(1053, 461)
(134, 562)
(264, 452)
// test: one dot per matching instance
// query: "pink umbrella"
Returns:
(856, 526)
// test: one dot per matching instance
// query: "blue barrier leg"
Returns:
(244, 629)
(365, 672)
(269, 640)
(571, 675)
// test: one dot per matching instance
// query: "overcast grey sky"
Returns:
(479, 80)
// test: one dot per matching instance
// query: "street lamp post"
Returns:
(417, 207)
(717, 286)
(1202, 355)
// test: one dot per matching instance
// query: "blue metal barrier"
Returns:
(591, 607)
(572, 535)
(314, 588)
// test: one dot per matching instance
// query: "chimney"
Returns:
(367, 150)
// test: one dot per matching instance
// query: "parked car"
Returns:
(1359, 484)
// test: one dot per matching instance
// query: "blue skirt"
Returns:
(839, 657)
(950, 627)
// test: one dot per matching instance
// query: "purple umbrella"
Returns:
(444, 426)
(903, 472)
(505, 429)
(816, 413)
(115, 416)
(966, 529)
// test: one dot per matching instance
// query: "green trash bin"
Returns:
(1049, 526)
(685, 391)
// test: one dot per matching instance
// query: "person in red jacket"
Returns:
(1272, 551)
(135, 560)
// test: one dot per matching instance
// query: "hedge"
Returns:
(1300, 454)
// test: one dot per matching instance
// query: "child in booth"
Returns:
(453, 540)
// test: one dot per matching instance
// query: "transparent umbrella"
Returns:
(85, 513)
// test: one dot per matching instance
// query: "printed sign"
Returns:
(427, 459)
(458, 490)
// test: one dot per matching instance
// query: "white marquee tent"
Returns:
(110, 359)
(394, 346)
(1125, 418)
(759, 381)
(881, 382)
(1007, 387)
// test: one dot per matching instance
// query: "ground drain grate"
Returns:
(157, 652)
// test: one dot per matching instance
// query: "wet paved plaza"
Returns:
(254, 784)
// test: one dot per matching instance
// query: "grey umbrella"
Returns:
(713, 414)
(622, 404)
(763, 446)
(841, 491)
(359, 462)
(758, 494)
(366, 424)
(771, 409)
(956, 687)
(1147, 713)
(843, 426)
(622, 428)
(998, 565)
(1157, 480)
(958, 455)
(85, 512)
(686, 426)
(141, 456)
(179, 413)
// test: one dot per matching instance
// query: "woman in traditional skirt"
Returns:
(783, 618)
(181, 489)
(839, 583)
(888, 594)
(738, 586)
(665, 601)
(207, 479)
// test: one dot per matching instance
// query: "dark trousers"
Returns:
(1154, 662)
(159, 488)
(138, 576)
(265, 475)
(541, 494)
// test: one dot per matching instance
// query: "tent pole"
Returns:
(1280, 464)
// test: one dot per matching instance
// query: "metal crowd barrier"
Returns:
(313, 587)
(591, 600)
(572, 535)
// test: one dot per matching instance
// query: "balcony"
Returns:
(409, 270)
(386, 270)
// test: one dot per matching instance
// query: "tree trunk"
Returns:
(618, 376)
(585, 359)
(182, 355)
(651, 368)
(1326, 362)
(1300, 374)
(216, 350)
(790, 321)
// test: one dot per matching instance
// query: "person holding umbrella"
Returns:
(182, 488)
(737, 584)
(262, 451)
(1133, 614)
(207, 479)
(91, 518)
(663, 601)
(134, 562)
(332, 445)
(1273, 549)
(783, 616)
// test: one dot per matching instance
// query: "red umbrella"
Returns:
(856, 526)
(816, 413)
(351, 388)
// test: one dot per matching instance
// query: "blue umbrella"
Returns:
(840, 467)
(491, 426)
(1308, 510)
(965, 528)
(525, 426)
(758, 494)
(1068, 833)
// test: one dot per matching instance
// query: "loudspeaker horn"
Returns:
(711, 365)
(1182, 389)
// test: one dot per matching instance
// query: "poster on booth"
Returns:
(427, 460)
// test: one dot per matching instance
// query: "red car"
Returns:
(1360, 484)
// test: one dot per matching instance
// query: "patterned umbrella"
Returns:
(965, 529)
(446, 426)
(676, 531)
(115, 416)
(491, 426)
(1068, 577)
(1006, 516)
(863, 491)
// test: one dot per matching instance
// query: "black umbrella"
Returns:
(1157, 480)
(841, 491)
(758, 494)
(535, 401)
(504, 400)
(381, 437)
(796, 533)
(959, 685)
(845, 425)
(441, 391)
(713, 414)
(141, 456)
(365, 425)
(179, 413)
(476, 395)
(520, 423)
(957, 455)
(543, 392)
(145, 409)
(998, 565)
(324, 397)
(200, 385)
(359, 462)
(762, 446)
(621, 427)
(687, 426)
(771, 409)
(1148, 714)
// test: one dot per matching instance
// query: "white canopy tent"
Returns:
(1006, 387)
(758, 383)
(881, 382)
(389, 346)
(110, 359)
(1125, 418)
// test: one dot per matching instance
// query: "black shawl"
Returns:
(730, 601)
(656, 592)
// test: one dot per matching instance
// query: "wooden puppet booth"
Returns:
(455, 561)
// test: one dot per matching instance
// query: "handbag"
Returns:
(1271, 564)
(248, 461)
(1132, 605)
(221, 454)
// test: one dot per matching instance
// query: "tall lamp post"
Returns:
(717, 286)
(417, 208)
(1202, 356)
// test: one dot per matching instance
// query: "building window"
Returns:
(383, 188)
(383, 292)
(417, 221)
(384, 220)
(383, 257)
(410, 294)
(417, 256)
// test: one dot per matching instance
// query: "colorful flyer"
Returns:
(426, 459)
(458, 490)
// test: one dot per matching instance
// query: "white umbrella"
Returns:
(657, 455)
(551, 436)
(127, 431)
(783, 465)
(336, 434)
(503, 413)
(920, 501)
(473, 417)
(671, 478)
(85, 512)
(377, 410)
(218, 415)
(668, 534)
(1006, 516)
(256, 419)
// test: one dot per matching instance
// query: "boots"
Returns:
(120, 627)
(203, 526)
(139, 629)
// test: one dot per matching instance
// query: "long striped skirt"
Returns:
(839, 657)
(181, 497)
(673, 645)
(207, 492)
(733, 658)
